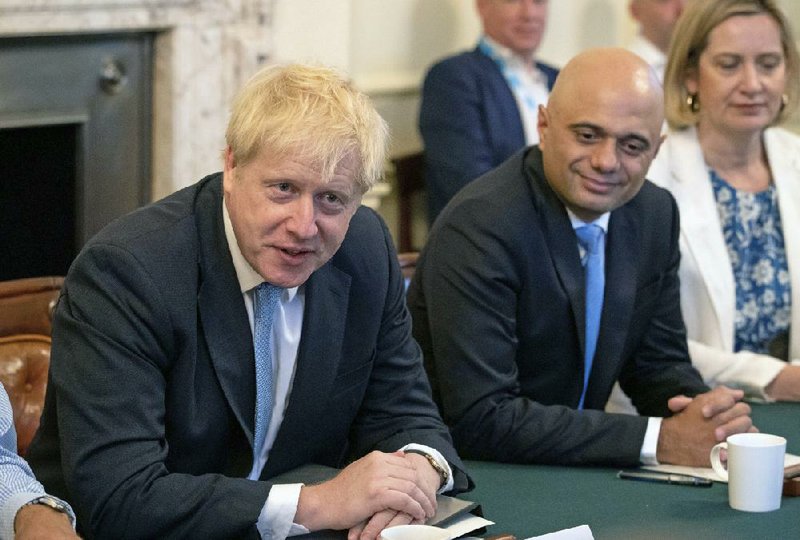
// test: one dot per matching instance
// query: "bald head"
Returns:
(609, 72)
(600, 130)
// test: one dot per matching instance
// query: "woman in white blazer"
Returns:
(732, 75)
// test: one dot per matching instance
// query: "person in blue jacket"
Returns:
(480, 106)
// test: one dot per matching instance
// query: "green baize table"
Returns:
(530, 500)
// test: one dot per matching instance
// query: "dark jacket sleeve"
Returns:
(397, 408)
(658, 366)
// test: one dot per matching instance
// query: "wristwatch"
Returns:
(52, 502)
(444, 475)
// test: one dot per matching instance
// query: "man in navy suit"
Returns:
(479, 107)
(499, 294)
(160, 334)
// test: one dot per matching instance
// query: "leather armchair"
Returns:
(26, 310)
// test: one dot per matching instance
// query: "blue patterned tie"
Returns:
(591, 239)
(265, 301)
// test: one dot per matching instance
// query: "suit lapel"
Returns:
(562, 243)
(784, 163)
(701, 231)
(504, 116)
(222, 312)
(620, 290)
(622, 250)
(318, 358)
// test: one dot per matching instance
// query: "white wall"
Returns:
(394, 41)
(397, 40)
(312, 31)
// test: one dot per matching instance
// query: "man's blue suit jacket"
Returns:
(150, 404)
(469, 121)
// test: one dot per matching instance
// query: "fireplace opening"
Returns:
(75, 138)
(37, 200)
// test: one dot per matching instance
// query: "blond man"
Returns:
(243, 327)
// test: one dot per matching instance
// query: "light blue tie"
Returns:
(265, 302)
(591, 239)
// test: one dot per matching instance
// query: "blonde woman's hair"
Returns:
(690, 39)
(312, 113)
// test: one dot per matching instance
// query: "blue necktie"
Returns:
(265, 301)
(591, 239)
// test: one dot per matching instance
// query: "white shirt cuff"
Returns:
(276, 520)
(439, 459)
(650, 444)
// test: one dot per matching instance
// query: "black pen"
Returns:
(665, 478)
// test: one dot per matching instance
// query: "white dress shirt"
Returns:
(277, 515)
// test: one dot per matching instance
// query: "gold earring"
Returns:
(784, 101)
(692, 102)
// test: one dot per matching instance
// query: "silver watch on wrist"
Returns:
(52, 502)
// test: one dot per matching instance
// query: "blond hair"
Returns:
(308, 112)
(690, 39)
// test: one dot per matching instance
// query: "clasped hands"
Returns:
(698, 423)
(377, 491)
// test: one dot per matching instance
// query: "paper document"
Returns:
(702, 472)
(466, 523)
(581, 532)
(448, 508)
(456, 516)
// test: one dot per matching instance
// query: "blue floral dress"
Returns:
(751, 225)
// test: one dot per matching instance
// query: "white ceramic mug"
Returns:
(414, 532)
(755, 470)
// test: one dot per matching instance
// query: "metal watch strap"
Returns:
(52, 502)
(444, 475)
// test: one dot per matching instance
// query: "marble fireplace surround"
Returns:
(203, 52)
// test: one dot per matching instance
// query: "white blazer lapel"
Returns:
(701, 232)
(783, 153)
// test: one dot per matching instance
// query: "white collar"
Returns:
(508, 55)
(601, 222)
